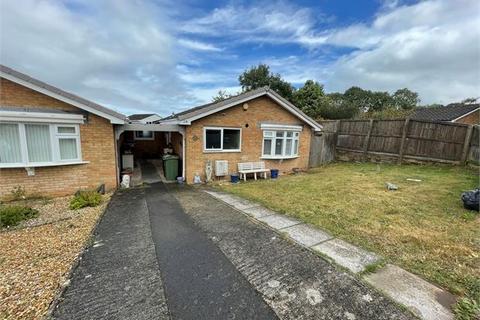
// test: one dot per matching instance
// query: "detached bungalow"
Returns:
(54, 142)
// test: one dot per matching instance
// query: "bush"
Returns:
(85, 199)
(12, 215)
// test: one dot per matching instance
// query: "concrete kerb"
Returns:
(325, 247)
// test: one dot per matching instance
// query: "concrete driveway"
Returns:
(172, 252)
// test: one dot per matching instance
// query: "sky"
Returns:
(162, 56)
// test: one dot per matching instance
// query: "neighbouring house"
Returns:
(455, 112)
(54, 142)
(144, 118)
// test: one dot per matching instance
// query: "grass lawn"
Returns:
(422, 226)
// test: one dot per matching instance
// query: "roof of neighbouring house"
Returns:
(141, 116)
(445, 113)
(70, 98)
(212, 107)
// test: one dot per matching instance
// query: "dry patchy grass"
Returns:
(422, 227)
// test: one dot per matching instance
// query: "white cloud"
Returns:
(146, 58)
(274, 22)
(431, 47)
(113, 52)
(197, 45)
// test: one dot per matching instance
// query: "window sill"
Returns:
(57, 164)
(222, 151)
(278, 157)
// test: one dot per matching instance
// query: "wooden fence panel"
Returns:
(407, 140)
(474, 150)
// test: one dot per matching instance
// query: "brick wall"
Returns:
(97, 143)
(262, 109)
(472, 118)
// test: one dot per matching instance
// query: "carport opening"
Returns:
(139, 149)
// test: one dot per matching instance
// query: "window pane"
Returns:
(268, 134)
(212, 139)
(231, 139)
(69, 130)
(295, 149)
(278, 147)
(144, 134)
(279, 134)
(288, 147)
(289, 134)
(38, 142)
(68, 148)
(267, 146)
(9, 143)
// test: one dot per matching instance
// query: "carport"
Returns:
(139, 141)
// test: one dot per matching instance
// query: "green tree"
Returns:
(470, 100)
(310, 98)
(260, 76)
(221, 95)
(338, 108)
(366, 100)
(405, 99)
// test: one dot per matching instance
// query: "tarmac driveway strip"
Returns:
(200, 282)
(118, 276)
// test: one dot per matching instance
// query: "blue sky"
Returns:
(163, 56)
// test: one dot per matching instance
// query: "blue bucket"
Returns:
(274, 173)
(234, 178)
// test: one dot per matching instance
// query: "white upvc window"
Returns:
(219, 139)
(144, 135)
(280, 144)
(39, 144)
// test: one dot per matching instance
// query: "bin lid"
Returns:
(170, 157)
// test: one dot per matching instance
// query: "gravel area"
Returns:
(36, 257)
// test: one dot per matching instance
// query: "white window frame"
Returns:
(270, 133)
(55, 137)
(221, 140)
(141, 138)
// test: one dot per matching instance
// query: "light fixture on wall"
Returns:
(245, 106)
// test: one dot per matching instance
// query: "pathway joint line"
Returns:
(293, 225)
(323, 241)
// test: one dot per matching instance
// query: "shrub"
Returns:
(18, 193)
(85, 199)
(12, 215)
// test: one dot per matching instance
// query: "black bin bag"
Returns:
(470, 199)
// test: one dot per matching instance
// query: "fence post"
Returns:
(335, 139)
(402, 143)
(366, 143)
(466, 145)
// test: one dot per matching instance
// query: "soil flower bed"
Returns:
(37, 255)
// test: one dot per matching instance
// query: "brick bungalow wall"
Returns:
(262, 109)
(97, 143)
(472, 118)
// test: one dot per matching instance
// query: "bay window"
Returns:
(222, 139)
(280, 144)
(38, 144)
